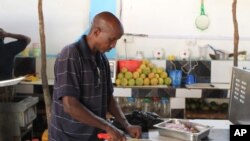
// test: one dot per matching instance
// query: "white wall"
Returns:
(65, 20)
(170, 24)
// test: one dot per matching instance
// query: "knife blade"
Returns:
(107, 136)
(133, 139)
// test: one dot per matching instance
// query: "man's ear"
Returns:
(97, 31)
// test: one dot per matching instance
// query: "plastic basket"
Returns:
(131, 65)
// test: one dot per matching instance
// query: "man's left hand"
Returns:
(134, 131)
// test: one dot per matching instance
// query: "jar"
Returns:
(147, 105)
(165, 108)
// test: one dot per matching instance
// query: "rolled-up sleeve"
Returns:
(67, 74)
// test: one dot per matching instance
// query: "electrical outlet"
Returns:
(128, 39)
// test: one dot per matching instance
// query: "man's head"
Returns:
(106, 29)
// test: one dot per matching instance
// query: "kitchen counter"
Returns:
(219, 132)
(38, 82)
(191, 86)
(209, 86)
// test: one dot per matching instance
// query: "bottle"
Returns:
(36, 50)
(156, 105)
(130, 104)
(147, 105)
(120, 102)
(138, 103)
(139, 55)
(165, 108)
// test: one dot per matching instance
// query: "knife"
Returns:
(107, 136)
(103, 136)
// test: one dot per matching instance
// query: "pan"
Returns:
(221, 55)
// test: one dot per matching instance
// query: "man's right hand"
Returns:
(115, 134)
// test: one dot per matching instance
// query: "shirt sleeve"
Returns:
(67, 75)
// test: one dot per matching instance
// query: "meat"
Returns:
(181, 127)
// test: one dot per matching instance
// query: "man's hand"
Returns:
(134, 131)
(115, 134)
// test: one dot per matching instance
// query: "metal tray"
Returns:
(202, 131)
(11, 82)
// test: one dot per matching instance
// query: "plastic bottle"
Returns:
(130, 104)
(165, 108)
(156, 105)
(138, 103)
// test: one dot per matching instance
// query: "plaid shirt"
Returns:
(85, 77)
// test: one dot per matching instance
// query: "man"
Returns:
(83, 88)
(9, 50)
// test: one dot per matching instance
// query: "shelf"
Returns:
(145, 87)
(205, 115)
(209, 86)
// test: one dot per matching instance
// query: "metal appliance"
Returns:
(16, 113)
(240, 96)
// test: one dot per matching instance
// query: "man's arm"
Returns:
(73, 107)
(18, 36)
(4, 34)
(79, 112)
(115, 110)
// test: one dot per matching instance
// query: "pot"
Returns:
(220, 55)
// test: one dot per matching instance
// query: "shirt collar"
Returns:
(85, 49)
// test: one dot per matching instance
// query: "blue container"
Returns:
(190, 79)
(176, 76)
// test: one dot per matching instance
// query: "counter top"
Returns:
(38, 82)
(192, 86)
(209, 86)
(219, 132)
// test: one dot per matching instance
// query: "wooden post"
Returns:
(46, 94)
(236, 33)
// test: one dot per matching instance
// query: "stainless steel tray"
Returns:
(11, 82)
(198, 132)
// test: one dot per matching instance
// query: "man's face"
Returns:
(106, 40)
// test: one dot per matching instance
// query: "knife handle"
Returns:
(103, 136)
